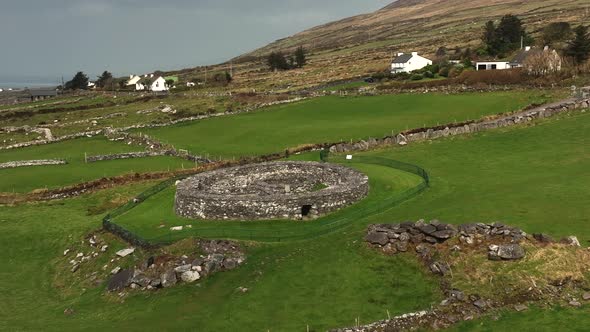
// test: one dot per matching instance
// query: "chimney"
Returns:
(414, 53)
(400, 54)
(528, 48)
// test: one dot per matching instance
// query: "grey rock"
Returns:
(586, 297)
(520, 307)
(511, 251)
(182, 268)
(441, 268)
(377, 238)
(120, 280)
(481, 304)
(156, 283)
(190, 276)
(168, 278)
(575, 303)
(229, 264)
(125, 252)
(543, 238)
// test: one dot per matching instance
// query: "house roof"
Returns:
(43, 92)
(402, 58)
(521, 56)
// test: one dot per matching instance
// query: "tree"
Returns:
(543, 63)
(555, 33)
(506, 37)
(579, 48)
(489, 34)
(277, 61)
(169, 83)
(104, 80)
(511, 31)
(78, 82)
(300, 57)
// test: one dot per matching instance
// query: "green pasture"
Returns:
(335, 119)
(24, 179)
(535, 177)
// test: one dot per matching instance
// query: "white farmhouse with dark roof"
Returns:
(406, 63)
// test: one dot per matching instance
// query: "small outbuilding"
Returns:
(41, 94)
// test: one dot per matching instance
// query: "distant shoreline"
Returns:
(20, 85)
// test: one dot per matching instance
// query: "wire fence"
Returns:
(275, 232)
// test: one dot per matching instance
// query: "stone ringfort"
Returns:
(273, 190)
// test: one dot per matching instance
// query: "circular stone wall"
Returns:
(275, 190)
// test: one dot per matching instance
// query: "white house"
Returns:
(492, 65)
(91, 85)
(148, 82)
(152, 83)
(134, 80)
(550, 61)
(406, 63)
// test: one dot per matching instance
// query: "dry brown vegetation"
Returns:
(364, 44)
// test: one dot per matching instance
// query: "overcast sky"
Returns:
(50, 38)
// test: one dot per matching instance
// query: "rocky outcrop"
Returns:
(167, 271)
(27, 163)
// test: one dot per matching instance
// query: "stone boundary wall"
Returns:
(141, 126)
(258, 192)
(26, 163)
(422, 134)
(147, 154)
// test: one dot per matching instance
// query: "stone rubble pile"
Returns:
(420, 235)
(166, 271)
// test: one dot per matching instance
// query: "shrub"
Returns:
(444, 72)
(416, 77)
(428, 74)
(508, 76)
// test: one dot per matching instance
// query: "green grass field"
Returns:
(333, 119)
(24, 179)
(533, 177)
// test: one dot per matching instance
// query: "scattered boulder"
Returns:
(377, 238)
(543, 238)
(116, 270)
(168, 278)
(481, 304)
(571, 241)
(182, 268)
(125, 252)
(511, 252)
(441, 268)
(120, 280)
(190, 276)
(575, 303)
(520, 307)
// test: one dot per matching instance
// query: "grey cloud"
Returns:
(124, 36)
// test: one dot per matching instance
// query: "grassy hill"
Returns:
(356, 46)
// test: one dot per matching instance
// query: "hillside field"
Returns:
(335, 119)
(532, 177)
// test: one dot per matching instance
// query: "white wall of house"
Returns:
(416, 62)
(492, 65)
(159, 85)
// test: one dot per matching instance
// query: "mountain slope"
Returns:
(362, 44)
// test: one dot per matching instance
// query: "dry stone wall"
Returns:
(275, 190)
(26, 163)
(423, 134)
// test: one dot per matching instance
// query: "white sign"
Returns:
(348, 157)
